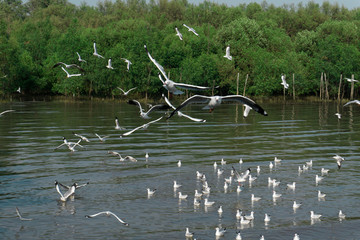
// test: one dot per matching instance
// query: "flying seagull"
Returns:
(145, 115)
(64, 197)
(95, 52)
(227, 54)
(74, 184)
(191, 29)
(180, 114)
(107, 213)
(82, 137)
(178, 33)
(102, 139)
(69, 66)
(144, 126)
(121, 159)
(109, 66)
(283, 81)
(18, 90)
(21, 218)
(351, 102)
(339, 159)
(79, 58)
(70, 75)
(351, 80)
(128, 63)
(117, 125)
(6, 111)
(127, 92)
(214, 101)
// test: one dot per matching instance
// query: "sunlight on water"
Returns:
(295, 133)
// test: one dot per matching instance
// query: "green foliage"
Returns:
(265, 41)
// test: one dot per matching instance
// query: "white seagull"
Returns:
(81, 137)
(321, 195)
(69, 66)
(351, 102)
(178, 33)
(296, 236)
(150, 192)
(18, 90)
(191, 29)
(314, 216)
(102, 139)
(128, 63)
(144, 126)
(351, 80)
(253, 198)
(107, 213)
(125, 93)
(220, 232)
(339, 160)
(338, 115)
(117, 125)
(208, 203)
(188, 234)
(324, 171)
(26, 219)
(70, 75)
(74, 184)
(341, 215)
(79, 58)
(267, 218)
(109, 66)
(176, 185)
(214, 101)
(6, 111)
(95, 52)
(145, 115)
(64, 197)
(283, 81)
(227, 54)
(296, 205)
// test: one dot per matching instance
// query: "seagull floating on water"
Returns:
(324, 171)
(227, 54)
(191, 29)
(117, 125)
(26, 219)
(188, 234)
(214, 101)
(314, 216)
(220, 232)
(341, 215)
(296, 205)
(64, 197)
(267, 218)
(321, 195)
(107, 213)
(296, 236)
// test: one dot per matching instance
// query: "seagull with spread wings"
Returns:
(227, 53)
(191, 29)
(6, 111)
(214, 101)
(95, 51)
(79, 58)
(127, 92)
(71, 75)
(128, 63)
(145, 115)
(107, 213)
(144, 126)
(69, 66)
(178, 34)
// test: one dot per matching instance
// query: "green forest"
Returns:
(266, 41)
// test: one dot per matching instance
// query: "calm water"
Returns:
(295, 133)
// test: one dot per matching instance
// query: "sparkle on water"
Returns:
(295, 133)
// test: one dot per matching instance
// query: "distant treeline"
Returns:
(265, 41)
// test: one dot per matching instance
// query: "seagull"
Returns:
(146, 156)
(82, 137)
(176, 185)
(128, 63)
(180, 114)
(95, 52)
(18, 90)
(241, 177)
(188, 234)
(191, 29)
(238, 236)
(64, 197)
(276, 195)
(80, 59)
(117, 126)
(238, 189)
(215, 165)
(258, 170)
(291, 186)
(267, 218)
(178, 33)
(67, 143)
(321, 195)
(214, 101)
(341, 215)
(238, 214)
(296, 205)
(108, 213)
(339, 160)
(277, 160)
(72, 146)
(250, 217)
(144, 126)
(208, 203)
(6, 111)
(26, 219)
(102, 139)
(109, 66)
(75, 184)
(271, 165)
(220, 232)
(145, 115)
(318, 178)
(351, 102)
(296, 236)
(254, 199)
(314, 216)
(70, 75)
(227, 54)
(197, 194)
(338, 115)
(220, 210)
(283, 82)
(324, 171)
(130, 158)
(182, 196)
(69, 66)
(351, 80)
(179, 163)
(244, 221)
(310, 163)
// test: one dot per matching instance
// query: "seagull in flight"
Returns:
(144, 126)
(353, 101)
(69, 66)
(107, 213)
(75, 184)
(79, 58)
(180, 114)
(121, 159)
(351, 80)
(18, 90)
(95, 52)
(227, 54)
(109, 66)
(178, 34)
(102, 139)
(72, 146)
(64, 197)
(70, 75)
(82, 137)
(6, 111)
(283, 81)
(191, 29)
(339, 160)
(127, 92)
(21, 218)
(214, 101)
(68, 144)
(145, 115)
(117, 126)
(128, 63)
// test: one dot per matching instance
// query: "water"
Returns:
(295, 133)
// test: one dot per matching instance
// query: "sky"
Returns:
(349, 4)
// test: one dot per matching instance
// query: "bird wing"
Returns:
(161, 69)
(125, 223)
(131, 89)
(82, 185)
(64, 186)
(131, 131)
(70, 192)
(96, 214)
(76, 66)
(247, 101)
(191, 87)
(121, 90)
(168, 102)
(135, 102)
(228, 51)
(130, 158)
(158, 107)
(190, 100)
(191, 118)
(58, 189)
(67, 73)
(6, 111)
(350, 102)
(246, 110)
(57, 64)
